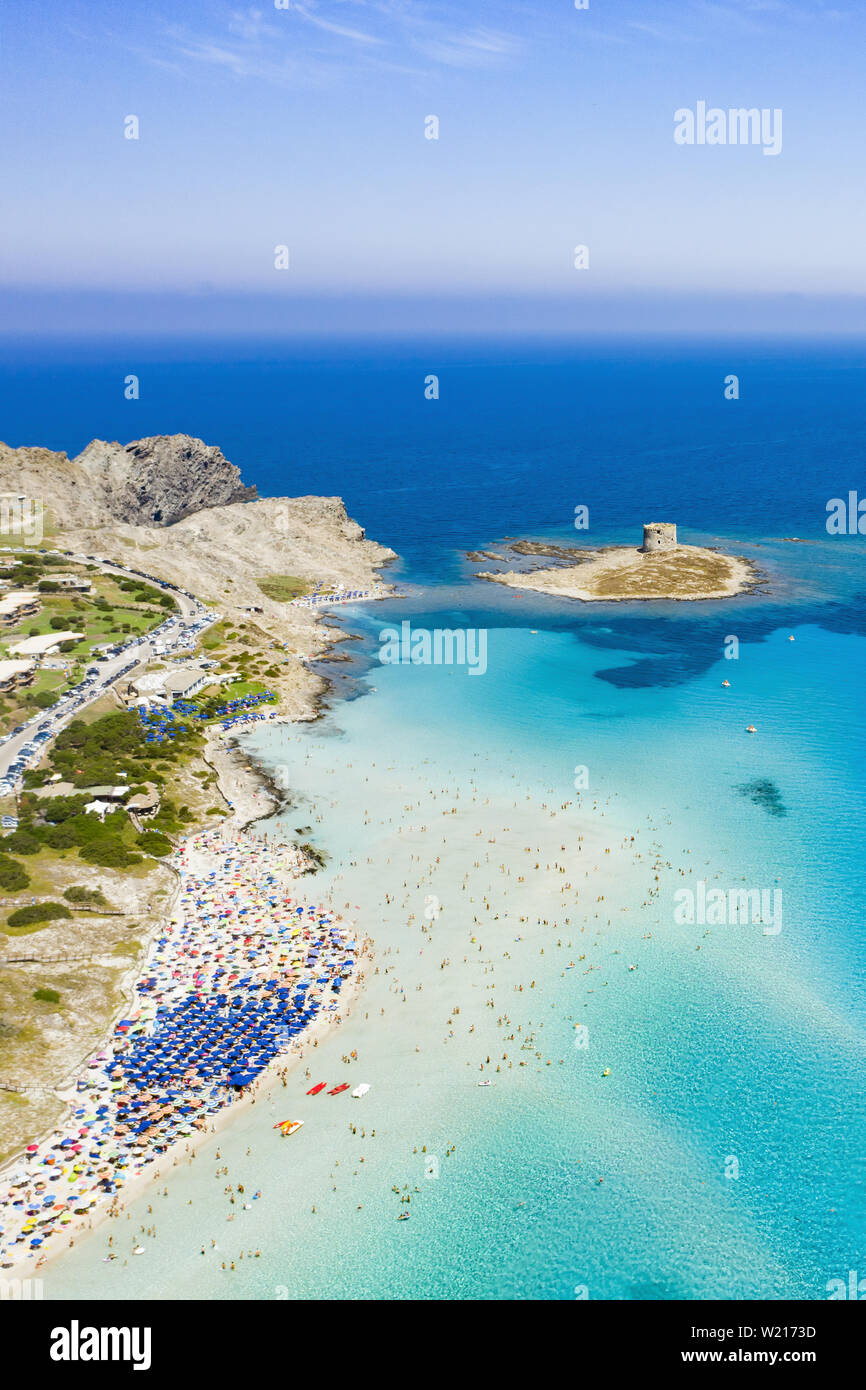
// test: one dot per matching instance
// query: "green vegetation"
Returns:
(13, 876)
(283, 587)
(86, 897)
(236, 691)
(47, 996)
(154, 843)
(89, 754)
(42, 699)
(38, 912)
(109, 852)
(21, 841)
(60, 808)
(170, 818)
(113, 609)
(131, 949)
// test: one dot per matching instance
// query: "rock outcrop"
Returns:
(160, 480)
(150, 482)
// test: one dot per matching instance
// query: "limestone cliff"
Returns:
(175, 507)
(150, 482)
(158, 481)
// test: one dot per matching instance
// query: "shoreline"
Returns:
(280, 1068)
(249, 783)
(663, 575)
(284, 1063)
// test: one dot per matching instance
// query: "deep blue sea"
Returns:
(520, 433)
(720, 1046)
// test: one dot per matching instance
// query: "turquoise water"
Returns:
(726, 1048)
(749, 1048)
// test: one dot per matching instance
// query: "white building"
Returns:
(15, 673)
(185, 682)
(20, 603)
(40, 646)
(72, 581)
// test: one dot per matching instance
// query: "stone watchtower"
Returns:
(659, 535)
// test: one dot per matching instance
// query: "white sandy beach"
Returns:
(202, 858)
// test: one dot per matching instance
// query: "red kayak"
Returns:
(337, 1089)
(314, 1091)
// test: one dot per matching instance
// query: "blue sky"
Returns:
(305, 126)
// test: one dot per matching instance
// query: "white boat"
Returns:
(485, 1083)
(361, 1090)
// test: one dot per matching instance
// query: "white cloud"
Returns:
(311, 39)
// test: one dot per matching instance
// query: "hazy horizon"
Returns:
(305, 128)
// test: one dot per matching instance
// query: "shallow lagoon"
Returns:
(727, 1050)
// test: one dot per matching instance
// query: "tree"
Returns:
(21, 841)
(13, 876)
(110, 853)
(154, 843)
(44, 699)
(60, 808)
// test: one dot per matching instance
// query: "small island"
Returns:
(660, 569)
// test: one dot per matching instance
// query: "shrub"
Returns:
(44, 699)
(60, 808)
(57, 623)
(38, 912)
(13, 875)
(61, 837)
(86, 897)
(48, 996)
(110, 853)
(154, 843)
(21, 842)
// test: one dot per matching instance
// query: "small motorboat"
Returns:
(337, 1089)
(314, 1090)
(404, 1216)
(726, 682)
(750, 729)
(485, 1083)
(361, 1090)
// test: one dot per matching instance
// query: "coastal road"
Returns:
(179, 627)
